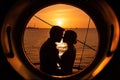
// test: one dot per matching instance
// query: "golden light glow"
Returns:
(63, 15)
(101, 66)
(116, 37)
(59, 21)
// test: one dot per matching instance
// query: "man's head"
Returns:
(56, 33)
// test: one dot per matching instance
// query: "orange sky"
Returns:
(63, 15)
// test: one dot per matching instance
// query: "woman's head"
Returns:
(70, 37)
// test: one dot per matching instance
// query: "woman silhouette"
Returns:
(68, 58)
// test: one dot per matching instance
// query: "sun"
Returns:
(59, 21)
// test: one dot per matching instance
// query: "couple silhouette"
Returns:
(57, 54)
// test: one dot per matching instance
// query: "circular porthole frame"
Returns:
(16, 20)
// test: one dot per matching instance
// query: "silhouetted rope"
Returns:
(84, 45)
(43, 20)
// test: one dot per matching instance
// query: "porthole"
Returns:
(37, 32)
(18, 17)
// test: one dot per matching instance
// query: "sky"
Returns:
(63, 15)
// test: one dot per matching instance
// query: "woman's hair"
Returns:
(70, 37)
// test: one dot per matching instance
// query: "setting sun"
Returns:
(59, 22)
(62, 15)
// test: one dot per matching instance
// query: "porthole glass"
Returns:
(69, 18)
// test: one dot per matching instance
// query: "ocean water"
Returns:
(34, 38)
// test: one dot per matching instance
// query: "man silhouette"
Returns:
(48, 52)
